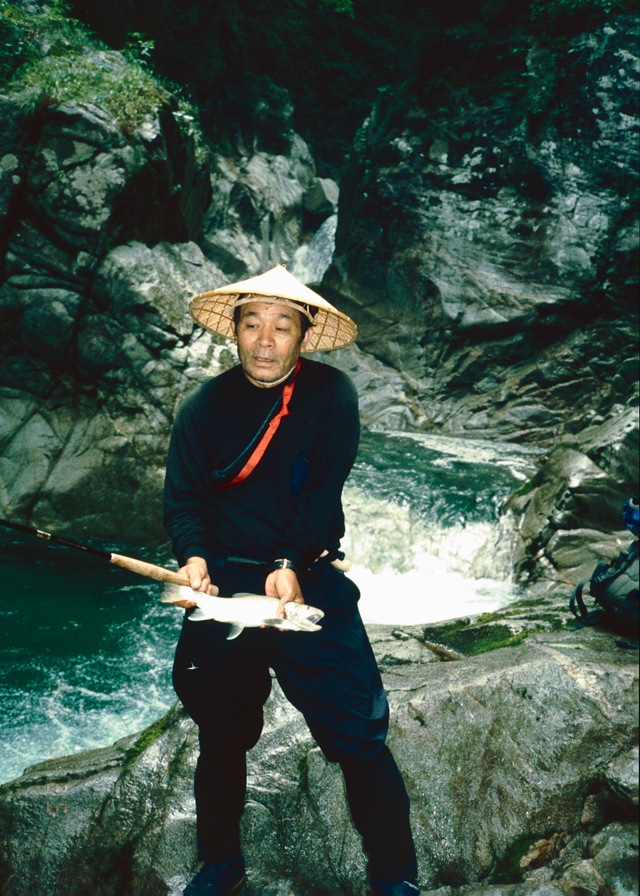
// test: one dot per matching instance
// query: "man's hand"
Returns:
(283, 584)
(197, 571)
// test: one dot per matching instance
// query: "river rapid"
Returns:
(86, 648)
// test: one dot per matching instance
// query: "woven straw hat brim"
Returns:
(331, 328)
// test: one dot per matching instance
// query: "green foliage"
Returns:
(341, 7)
(47, 56)
(241, 62)
(138, 48)
(26, 33)
(126, 92)
(545, 10)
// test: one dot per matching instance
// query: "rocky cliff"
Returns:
(488, 253)
(488, 246)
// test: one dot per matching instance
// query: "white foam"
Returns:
(411, 572)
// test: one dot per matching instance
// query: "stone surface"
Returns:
(491, 265)
(501, 753)
(470, 245)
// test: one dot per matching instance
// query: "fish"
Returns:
(246, 611)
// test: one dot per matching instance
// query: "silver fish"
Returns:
(246, 611)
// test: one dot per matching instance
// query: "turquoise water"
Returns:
(85, 653)
(86, 648)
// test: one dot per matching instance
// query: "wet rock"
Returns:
(497, 751)
(571, 516)
(321, 197)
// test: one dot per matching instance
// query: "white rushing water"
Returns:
(436, 574)
(312, 259)
(86, 649)
(410, 568)
(430, 543)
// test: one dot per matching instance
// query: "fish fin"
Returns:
(197, 615)
(173, 593)
(275, 622)
(234, 631)
(170, 594)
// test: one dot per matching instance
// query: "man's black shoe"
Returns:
(219, 879)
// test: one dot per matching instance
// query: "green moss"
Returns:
(471, 640)
(149, 735)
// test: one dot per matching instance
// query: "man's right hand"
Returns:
(197, 571)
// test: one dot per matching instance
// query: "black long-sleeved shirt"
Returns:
(268, 515)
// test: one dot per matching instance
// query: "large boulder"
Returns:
(570, 512)
(521, 764)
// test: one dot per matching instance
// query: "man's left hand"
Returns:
(283, 584)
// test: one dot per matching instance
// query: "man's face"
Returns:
(270, 340)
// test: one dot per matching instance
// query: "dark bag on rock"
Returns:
(615, 589)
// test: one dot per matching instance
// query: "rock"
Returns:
(384, 397)
(465, 260)
(497, 750)
(473, 265)
(490, 261)
(99, 338)
(12, 137)
(614, 852)
(255, 217)
(566, 509)
(621, 782)
(614, 445)
(321, 197)
(97, 458)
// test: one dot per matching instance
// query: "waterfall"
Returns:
(312, 259)
(425, 532)
(411, 572)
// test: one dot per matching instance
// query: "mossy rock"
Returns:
(469, 638)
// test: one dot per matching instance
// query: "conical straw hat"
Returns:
(331, 328)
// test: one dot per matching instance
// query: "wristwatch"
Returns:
(283, 563)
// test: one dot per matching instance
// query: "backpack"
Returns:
(615, 589)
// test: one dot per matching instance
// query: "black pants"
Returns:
(331, 677)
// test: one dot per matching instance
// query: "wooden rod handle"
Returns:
(150, 570)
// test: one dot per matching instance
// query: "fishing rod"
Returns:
(141, 567)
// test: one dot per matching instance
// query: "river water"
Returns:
(86, 648)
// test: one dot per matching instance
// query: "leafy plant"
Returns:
(543, 9)
(47, 56)
(27, 33)
(126, 92)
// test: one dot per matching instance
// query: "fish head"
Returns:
(302, 617)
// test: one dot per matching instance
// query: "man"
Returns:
(257, 462)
